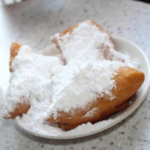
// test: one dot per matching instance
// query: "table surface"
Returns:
(32, 23)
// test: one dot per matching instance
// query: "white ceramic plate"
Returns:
(89, 129)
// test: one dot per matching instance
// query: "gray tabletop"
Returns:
(32, 23)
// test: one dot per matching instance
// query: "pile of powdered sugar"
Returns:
(49, 86)
(84, 38)
(81, 83)
(30, 78)
(89, 42)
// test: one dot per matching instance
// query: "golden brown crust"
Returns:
(128, 81)
(111, 112)
(14, 49)
(21, 108)
(69, 30)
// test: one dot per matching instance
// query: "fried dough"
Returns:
(128, 81)
(14, 49)
(21, 108)
(112, 112)
(58, 40)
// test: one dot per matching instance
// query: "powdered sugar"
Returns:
(91, 112)
(89, 42)
(84, 82)
(31, 77)
(83, 38)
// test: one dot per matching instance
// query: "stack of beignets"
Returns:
(128, 80)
